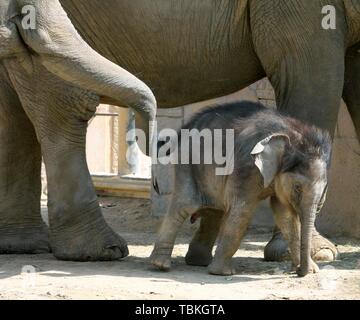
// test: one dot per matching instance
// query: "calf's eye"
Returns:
(297, 189)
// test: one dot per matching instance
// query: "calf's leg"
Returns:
(278, 249)
(161, 254)
(233, 229)
(200, 248)
(184, 203)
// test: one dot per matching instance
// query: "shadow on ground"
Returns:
(249, 267)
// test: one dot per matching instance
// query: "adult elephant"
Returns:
(51, 82)
(186, 51)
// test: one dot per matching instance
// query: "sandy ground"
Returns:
(44, 277)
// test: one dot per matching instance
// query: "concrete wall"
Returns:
(341, 213)
(102, 145)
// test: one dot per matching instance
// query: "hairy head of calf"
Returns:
(295, 160)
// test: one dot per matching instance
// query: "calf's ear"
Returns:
(267, 155)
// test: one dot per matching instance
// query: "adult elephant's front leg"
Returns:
(60, 113)
(78, 229)
(304, 63)
(21, 227)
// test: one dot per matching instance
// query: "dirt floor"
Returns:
(44, 277)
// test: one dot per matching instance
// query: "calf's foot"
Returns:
(198, 255)
(313, 268)
(222, 268)
(161, 257)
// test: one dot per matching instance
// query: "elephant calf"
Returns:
(273, 156)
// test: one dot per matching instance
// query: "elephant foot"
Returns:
(322, 249)
(161, 258)
(94, 244)
(21, 239)
(277, 249)
(198, 255)
(313, 268)
(162, 262)
(222, 268)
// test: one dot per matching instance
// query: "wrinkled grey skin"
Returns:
(189, 51)
(185, 50)
(51, 84)
(274, 156)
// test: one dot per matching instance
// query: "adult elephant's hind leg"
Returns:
(352, 86)
(277, 249)
(312, 95)
(306, 72)
(60, 113)
(200, 248)
(21, 227)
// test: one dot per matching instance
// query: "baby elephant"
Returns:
(272, 156)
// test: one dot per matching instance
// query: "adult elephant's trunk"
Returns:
(307, 219)
(62, 51)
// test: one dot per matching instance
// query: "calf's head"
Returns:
(296, 164)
